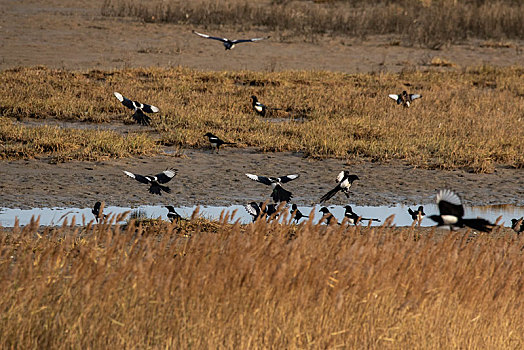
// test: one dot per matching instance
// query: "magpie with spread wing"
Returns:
(260, 210)
(297, 214)
(155, 181)
(216, 141)
(279, 194)
(230, 44)
(404, 98)
(139, 116)
(518, 225)
(451, 213)
(354, 218)
(345, 180)
(418, 214)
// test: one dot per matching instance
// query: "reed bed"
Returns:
(202, 284)
(429, 23)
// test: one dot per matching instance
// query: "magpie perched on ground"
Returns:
(417, 215)
(97, 211)
(297, 214)
(172, 215)
(327, 216)
(155, 181)
(229, 44)
(345, 180)
(139, 116)
(518, 225)
(260, 108)
(216, 141)
(404, 98)
(259, 210)
(452, 211)
(279, 194)
(353, 218)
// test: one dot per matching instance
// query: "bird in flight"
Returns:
(279, 194)
(155, 181)
(418, 214)
(216, 141)
(344, 180)
(260, 210)
(297, 214)
(353, 218)
(172, 215)
(230, 44)
(404, 98)
(139, 116)
(451, 213)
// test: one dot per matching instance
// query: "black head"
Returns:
(254, 98)
(324, 210)
(352, 178)
(348, 208)
(209, 135)
(294, 207)
(170, 208)
(97, 206)
(404, 93)
(421, 210)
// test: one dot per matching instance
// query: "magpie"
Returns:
(518, 225)
(229, 44)
(297, 214)
(97, 211)
(172, 215)
(155, 181)
(417, 215)
(353, 218)
(404, 98)
(327, 216)
(259, 210)
(279, 194)
(216, 141)
(139, 116)
(451, 213)
(260, 108)
(345, 180)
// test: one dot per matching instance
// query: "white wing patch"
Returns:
(154, 109)
(448, 196)
(340, 176)
(393, 96)
(129, 174)
(119, 96)
(415, 96)
(250, 209)
(252, 177)
(169, 173)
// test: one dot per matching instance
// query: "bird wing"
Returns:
(340, 176)
(414, 96)
(449, 203)
(261, 179)
(165, 176)
(211, 37)
(125, 101)
(139, 178)
(287, 178)
(150, 109)
(249, 40)
(252, 208)
(393, 96)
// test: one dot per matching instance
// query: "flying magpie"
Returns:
(216, 141)
(97, 211)
(327, 216)
(404, 98)
(345, 180)
(518, 225)
(279, 194)
(259, 210)
(155, 181)
(451, 213)
(229, 44)
(172, 215)
(353, 218)
(139, 116)
(417, 215)
(297, 214)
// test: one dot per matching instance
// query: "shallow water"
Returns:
(56, 216)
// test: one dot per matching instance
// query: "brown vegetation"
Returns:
(215, 285)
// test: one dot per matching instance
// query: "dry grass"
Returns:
(217, 285)
(430, 23)
(468, 118)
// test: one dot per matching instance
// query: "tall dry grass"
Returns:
(217, 285)
(429, 23)
(468, 118)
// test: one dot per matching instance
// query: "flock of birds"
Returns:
(451, 210)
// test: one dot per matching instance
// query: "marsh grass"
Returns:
(262, 285)
(429, 23)
(468, 118)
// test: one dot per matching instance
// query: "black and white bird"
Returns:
(258, 107)
(344, 180)
(97, 211)
(279, 194)
(297, 214)
(139, 116)
(230, 44)
(327, 216)
(418, 214)
(256, 211)
(172, 215)
(216, 141)
(354, 218)
(155, 181)
(518, 225)
(404, 98)
(452, 211)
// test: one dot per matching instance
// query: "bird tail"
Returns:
(142, 118)
(230, 143)
(281, 195)
(329, 195)
(156, 189)
(368, 219)
(478, 224)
